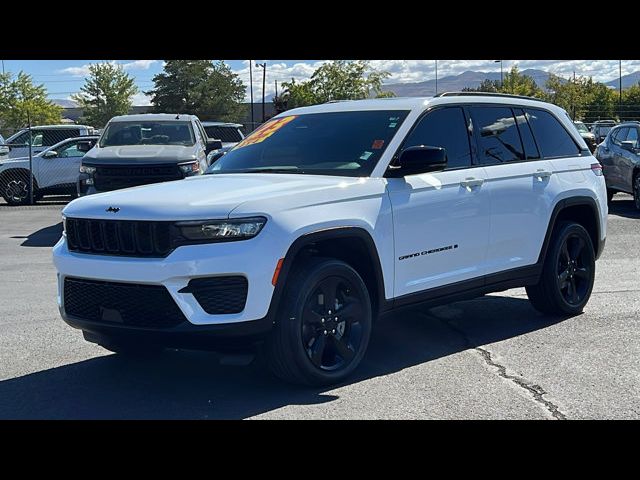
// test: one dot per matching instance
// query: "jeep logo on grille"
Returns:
(113, 209)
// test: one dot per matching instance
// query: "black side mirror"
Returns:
(84, 146)
(419, 159)
(629, 145)
(213, 144)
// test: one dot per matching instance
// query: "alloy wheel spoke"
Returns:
(352, 310)
(582, 273)
(565, 252)
(329, 288)
(310, 316)
(576, 249)
(563, 277)
(342, 349)
(317, 350)
(573, 293)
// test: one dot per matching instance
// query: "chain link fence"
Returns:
(40, 161)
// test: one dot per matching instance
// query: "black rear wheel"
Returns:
(636, 190)
(568, 272)
(15, 188)
(324, 324)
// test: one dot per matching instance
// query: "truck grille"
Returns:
(145, 306)
(119, 237)
(115, 177)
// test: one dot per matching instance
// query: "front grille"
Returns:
(114, 177)
(219, 295)
(146, 306)
(119, 237)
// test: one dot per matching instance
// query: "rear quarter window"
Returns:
(552, 138)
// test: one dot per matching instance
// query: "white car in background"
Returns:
(43, 137)
(55, 172)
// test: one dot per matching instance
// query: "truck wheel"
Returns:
(323, 326)
(14, 188)
(567, 274)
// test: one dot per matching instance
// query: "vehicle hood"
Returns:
(217, 196)
(134, 154)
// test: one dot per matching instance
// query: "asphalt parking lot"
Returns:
(490, 358)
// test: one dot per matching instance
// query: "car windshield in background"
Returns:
(147, 133)
(334, 143)
(582, 128)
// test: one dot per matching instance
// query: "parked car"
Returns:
(588, 137)
(229, 133)
(600, 129)
(619, 155)
(328, 216)
(55, 172)
(141, 149)
(44, 136)
(4, 149)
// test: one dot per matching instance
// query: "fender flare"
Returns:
(322, 235)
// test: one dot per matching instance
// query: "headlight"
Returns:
(189, 168)
(87, 169)
(222, 230)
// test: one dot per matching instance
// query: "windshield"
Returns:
(582, 128)
(147, 133)
(335, 143)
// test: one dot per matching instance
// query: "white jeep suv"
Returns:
(327, 217)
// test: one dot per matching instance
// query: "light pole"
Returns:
(264, 75)
(620, 85)
(501, 77)
(251, 90)
(436, 77)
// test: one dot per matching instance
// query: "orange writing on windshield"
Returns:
(265, 131)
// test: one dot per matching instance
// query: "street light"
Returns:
(251, 90)
(264, 74)
(501, 78)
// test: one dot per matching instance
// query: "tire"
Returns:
(308, 346)
(610, 194)
(14, 187)
(567, 274)
(636, 190)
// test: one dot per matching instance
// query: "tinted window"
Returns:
(498, 137)
(147, 133)
(632, 136)
(617, 136)
(530, 148)
(348, 143)
(552, 138)
(223, 133)
(444, 127)
(51, 137)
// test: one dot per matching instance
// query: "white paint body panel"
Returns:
(497, 225)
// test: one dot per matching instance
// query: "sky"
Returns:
(63, 78)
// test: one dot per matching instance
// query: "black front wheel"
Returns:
(323, 326)
(568, 272)
(16, 188)
(636, 191)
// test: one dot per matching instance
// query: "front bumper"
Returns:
(243, 258)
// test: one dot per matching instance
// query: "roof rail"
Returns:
(485, 94)
(337, 101)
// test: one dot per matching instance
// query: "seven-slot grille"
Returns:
(121, 176)
(119, 237)
(111, 303)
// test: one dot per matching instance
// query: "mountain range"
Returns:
(471, 79)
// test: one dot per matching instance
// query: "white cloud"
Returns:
(138, 64)
(83, 70)
(140, 99)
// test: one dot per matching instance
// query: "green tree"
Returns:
(106, 93)
(516, 83)
(336, 80)
(199, 87)
(631, 103)
(21, 100)
(581, 97)
(485, 86)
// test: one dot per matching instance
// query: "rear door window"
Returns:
(619, 135)
(552, 138)
(497, 134)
